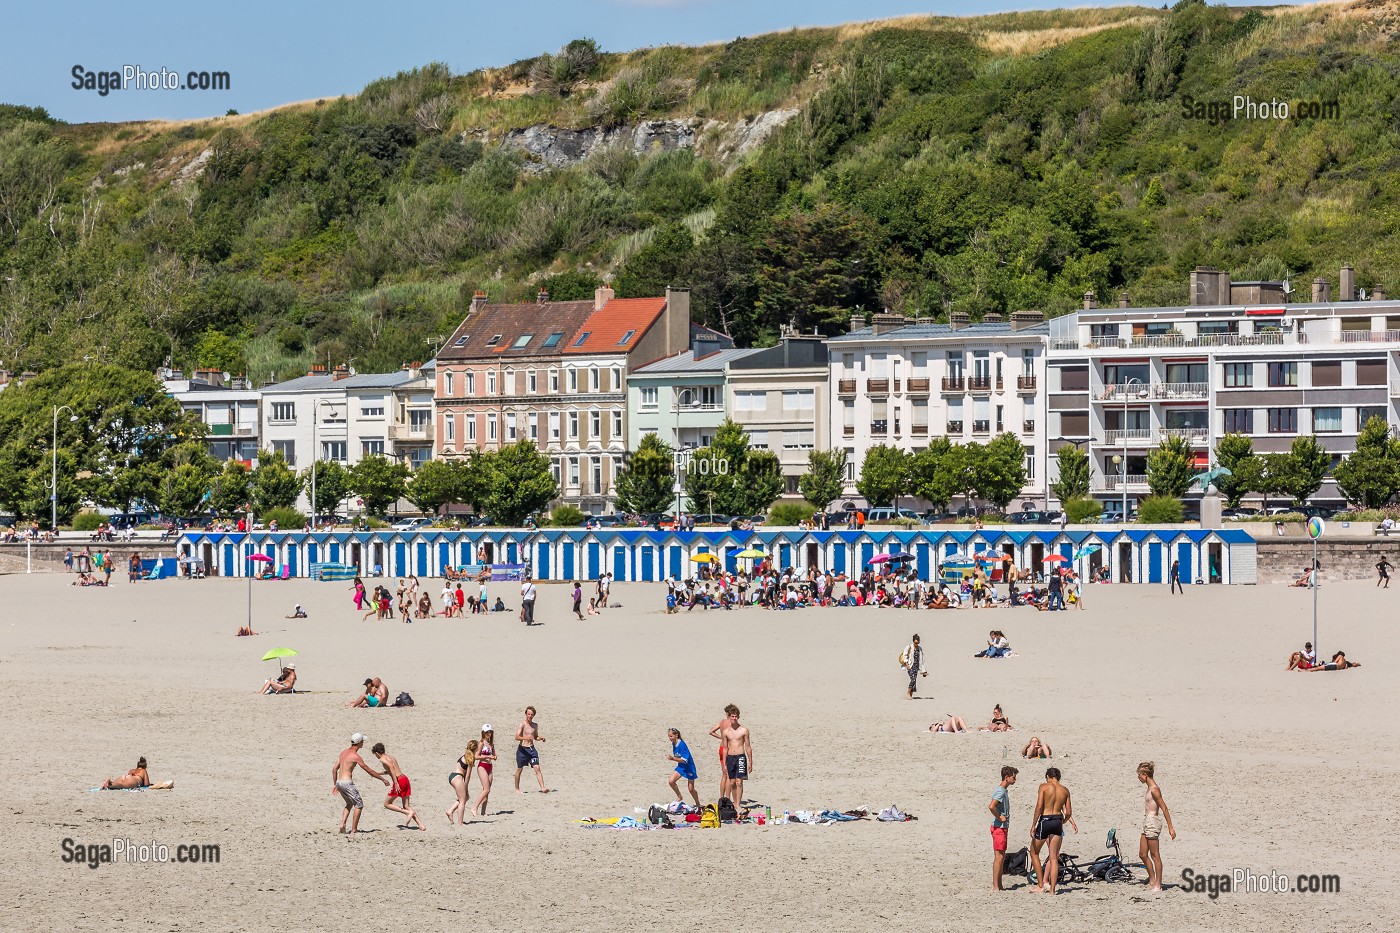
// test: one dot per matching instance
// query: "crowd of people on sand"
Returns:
(411, 600)
(896, 588)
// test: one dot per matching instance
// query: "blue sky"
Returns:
(277, 52)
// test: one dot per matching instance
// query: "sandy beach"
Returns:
(1262, 769)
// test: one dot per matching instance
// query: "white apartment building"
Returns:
(336, 416)
(899, 382)
(780, 397)
(1240, 359)
(228, 407)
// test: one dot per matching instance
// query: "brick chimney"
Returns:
(857, 318)
(341, 372)
(602, 295)
(1123, 300)
(1378, 294)
(478, 299)
(1020, 320)
(957, 320)
(885, 322)
(1322, 291)
(1090, 300)
(1346, 288)
(316, 370)
(542, 296)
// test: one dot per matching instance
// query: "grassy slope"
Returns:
(295, 241)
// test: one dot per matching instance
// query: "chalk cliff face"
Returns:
(548, 147)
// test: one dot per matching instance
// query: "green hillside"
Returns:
(984, 164)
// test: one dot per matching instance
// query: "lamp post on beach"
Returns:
(53, 481)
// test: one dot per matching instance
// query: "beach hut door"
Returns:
(814, 558)
(1125, 562)
(355, 555)
(1213, 559)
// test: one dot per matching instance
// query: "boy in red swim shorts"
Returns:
(399, 785)
(1001, 822)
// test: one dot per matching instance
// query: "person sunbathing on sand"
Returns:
(999, 722)
(951, 724)
(1305, 579)
(1036, 749)
(245, 630)
(136, 777)
(1339, 663)
(285, 683)
(1304, 660)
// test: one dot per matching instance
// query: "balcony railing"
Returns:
(1028, 427)
(1190, 434)
(955, 427)
(954, 384)
(1157, 391)
(877, 386)
(1371, 336)
(845, 387)
(879, 427)
(848, 430)
(1025, 383)
(918, 386)
(1171, 341)
(980, 384)
(1180, 390)
(1118, 480)
(918, 429)
(1134, 436)
(982, 427)
(411, 432)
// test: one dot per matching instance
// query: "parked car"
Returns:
(601, 521)
(1318, 511)
(410, 524)
(885, 514)
(711, 519)
(1032, 517)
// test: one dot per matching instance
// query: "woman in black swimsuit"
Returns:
(460, 777)
(999, 722)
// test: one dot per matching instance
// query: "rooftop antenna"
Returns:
(1363, 293)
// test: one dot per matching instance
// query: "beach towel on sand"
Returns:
(163, 785)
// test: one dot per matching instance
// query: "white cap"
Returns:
(486, 727)
(357, 739)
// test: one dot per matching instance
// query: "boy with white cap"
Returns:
(343, 778)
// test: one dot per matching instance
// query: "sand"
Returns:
(1262, 769)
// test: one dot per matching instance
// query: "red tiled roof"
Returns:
(619, 318)
(511, 322)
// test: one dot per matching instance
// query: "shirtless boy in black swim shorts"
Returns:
(1052, 811)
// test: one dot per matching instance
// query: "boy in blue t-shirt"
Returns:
(685, 766)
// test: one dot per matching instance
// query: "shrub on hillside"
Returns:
(1160, 510)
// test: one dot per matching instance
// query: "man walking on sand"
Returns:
(343, 781)
(738, 755)
(1176, 577)
(1052, 812)
(1001, 822)
(399, 785)
(1383, 568)
(526, 755)
(527, 601)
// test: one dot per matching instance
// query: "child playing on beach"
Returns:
(685, 766)
(1155, 810)
(399, 785)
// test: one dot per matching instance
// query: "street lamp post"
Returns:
(53, 480)
(1123, 474)
(315, 419)
(678, 489)
(1126, 393)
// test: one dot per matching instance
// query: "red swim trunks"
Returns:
(402, 788)
(998, 839)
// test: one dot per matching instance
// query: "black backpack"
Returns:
(403, 700)
(727, 813)
(1016, 863)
